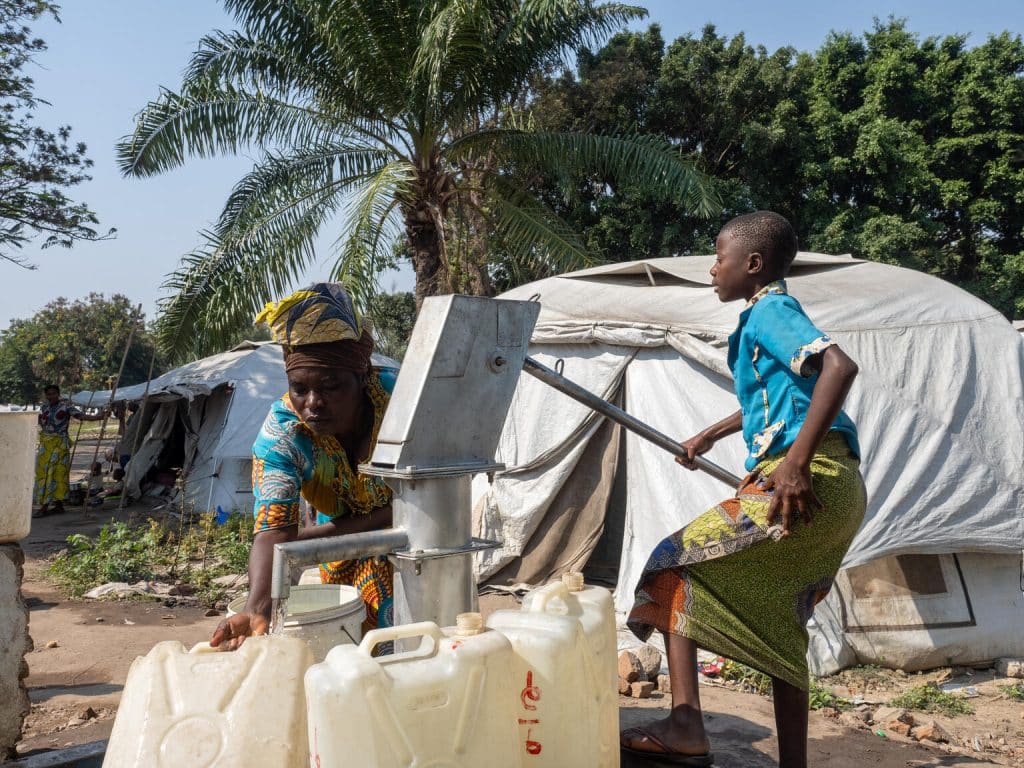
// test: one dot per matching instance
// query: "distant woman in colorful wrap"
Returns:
(310, 447)
(53, 456)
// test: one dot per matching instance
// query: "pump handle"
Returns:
(619, 416)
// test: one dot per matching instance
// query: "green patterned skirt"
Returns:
(737, 587)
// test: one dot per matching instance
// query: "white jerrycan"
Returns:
(17, 473)
(443, 705)
(566, 679)
(206, 708)
(595, 609)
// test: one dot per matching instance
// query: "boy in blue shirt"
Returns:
(743, 578)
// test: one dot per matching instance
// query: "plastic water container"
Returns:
(595, 609)
(444, 704)
(18, 436)
(324, 615)
(204, 708)
(565, 675)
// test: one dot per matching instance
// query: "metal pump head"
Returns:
(456, 384)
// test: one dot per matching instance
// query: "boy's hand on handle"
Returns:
(232, 631)
(694, 447)
(793, 495)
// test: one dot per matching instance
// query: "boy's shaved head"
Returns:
(769, 234)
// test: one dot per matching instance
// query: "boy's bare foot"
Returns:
(675, 734)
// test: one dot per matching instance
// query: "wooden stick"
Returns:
(113, 390)
(140, 414)
(78, 434)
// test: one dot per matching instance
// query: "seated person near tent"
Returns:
(95, 480)
(743, 578)
(310, 446)
(113, 492)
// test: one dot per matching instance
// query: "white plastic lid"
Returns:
(573, 580)
(469, 624)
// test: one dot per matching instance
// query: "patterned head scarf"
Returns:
(320, 328)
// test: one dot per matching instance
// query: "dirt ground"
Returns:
(83, 650)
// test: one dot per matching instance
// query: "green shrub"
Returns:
(194, 553)
(1015, 691)
(118, 553)
(929, 698)
(821, 697)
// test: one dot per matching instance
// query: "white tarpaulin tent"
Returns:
(934, 575)
(206, 415)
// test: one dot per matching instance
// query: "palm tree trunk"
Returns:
(426, 250)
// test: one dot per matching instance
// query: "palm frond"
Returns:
(274, 19)
(481, 54)
(369, 48)
(282, 179)
(534, 237)
(650, 161)
(219, 287)
(370, 225)
(452, 46)
(206, 122)
(257, 64)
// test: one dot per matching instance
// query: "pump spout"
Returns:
(619, 416)
(330, 549)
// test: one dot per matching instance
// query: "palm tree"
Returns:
(393, 122)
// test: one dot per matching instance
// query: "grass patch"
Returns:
(821, 697)
(1015, 691)
(195, 554)
(928, 698)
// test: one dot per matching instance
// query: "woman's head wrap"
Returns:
(319, 327)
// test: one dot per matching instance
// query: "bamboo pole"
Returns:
(140, 414)
(117, 381)
(78, 433)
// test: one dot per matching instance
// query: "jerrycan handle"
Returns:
(422, 629)
(556, 590)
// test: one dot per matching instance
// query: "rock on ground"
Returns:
(1010, 667)
(650, 660)
(930, 731)
(14, 644)
(664, 684)
(630, 668)
(641, 690)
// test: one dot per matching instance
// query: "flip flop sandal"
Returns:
(41, 512)
(664, 756)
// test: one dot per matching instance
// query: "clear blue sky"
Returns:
(109, 57)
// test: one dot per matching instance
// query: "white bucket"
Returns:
(18, 437)
(324, 615)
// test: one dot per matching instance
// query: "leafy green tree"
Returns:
(394, 315)
(38, 165)
(913, 158)
(721, 101)
(76, 345)
(382, 121)
(881, 145)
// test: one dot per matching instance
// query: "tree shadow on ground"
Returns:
(42, 693)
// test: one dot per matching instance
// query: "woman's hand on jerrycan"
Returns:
(233, 630)
(694, 447)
